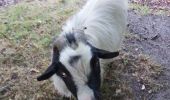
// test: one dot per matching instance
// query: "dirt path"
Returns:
(152, 38)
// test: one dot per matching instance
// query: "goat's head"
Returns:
(76, 63)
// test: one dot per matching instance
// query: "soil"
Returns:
(152, 37)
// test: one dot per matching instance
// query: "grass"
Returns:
(34, 21)
(145, 10)
(26, 32)
(142, 9)
(126, 72)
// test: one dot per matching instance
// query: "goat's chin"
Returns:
(85, 93)
(60, 86)
(85, 97)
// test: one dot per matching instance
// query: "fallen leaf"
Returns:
(33, 70)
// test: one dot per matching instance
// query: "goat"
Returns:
(88, 41)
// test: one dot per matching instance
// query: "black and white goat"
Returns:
(87, 41)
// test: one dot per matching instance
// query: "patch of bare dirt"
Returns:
(150, 34)
(131, 77)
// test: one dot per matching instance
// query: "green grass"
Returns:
(35, 21)
(142, 9)
(26, 32)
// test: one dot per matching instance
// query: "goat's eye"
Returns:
(97, 63)
(64, 75)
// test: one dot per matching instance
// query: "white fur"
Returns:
(79, 72)
(85, 93)
(82, 68)
(106, 22)
(60, 86)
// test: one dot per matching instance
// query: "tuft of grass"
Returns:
(142, 9)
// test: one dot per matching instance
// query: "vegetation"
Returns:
(26, 32)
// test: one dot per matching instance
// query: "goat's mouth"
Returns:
(89, 95)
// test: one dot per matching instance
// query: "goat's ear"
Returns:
(55, 54)
(48, 73)
(104, 54)
(52, 68)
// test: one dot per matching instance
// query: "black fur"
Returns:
(103, 54)
(58, 68)
(67, 79)
(94, 78)
(70, 38)
(52, 68)
(94, 81)
(55, 54)
(74, 59)
(48, 73)
(65, 98)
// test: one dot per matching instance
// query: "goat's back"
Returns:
(105, 21)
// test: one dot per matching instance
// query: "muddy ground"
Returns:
(142, 72)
